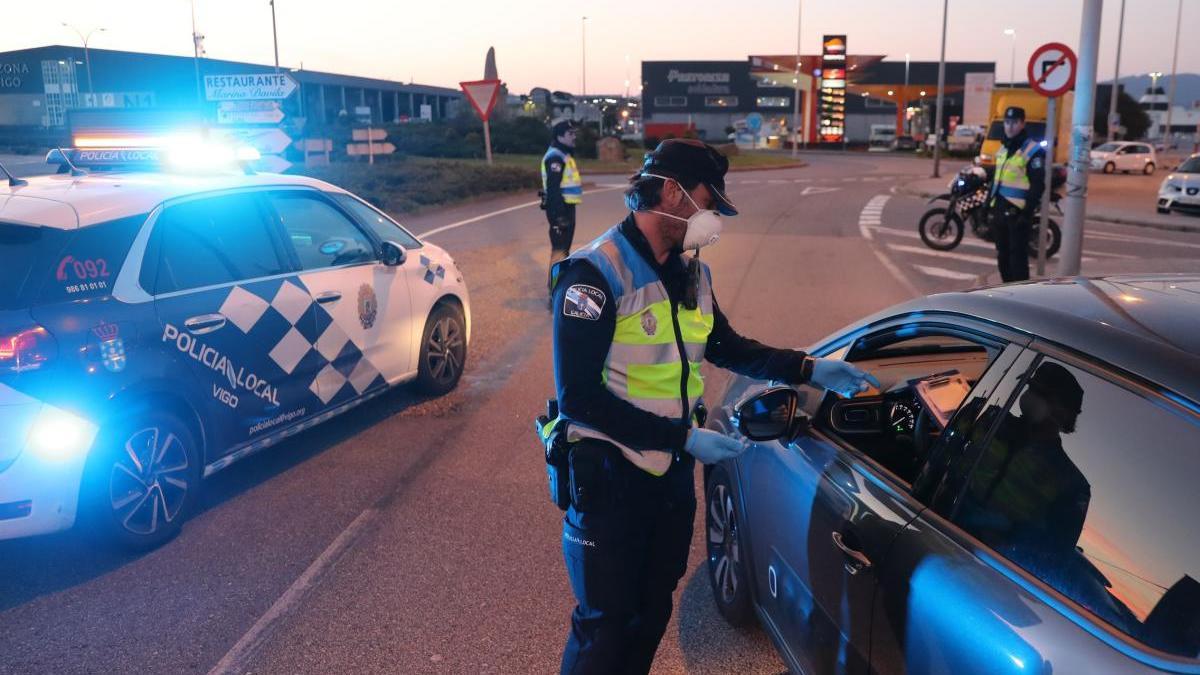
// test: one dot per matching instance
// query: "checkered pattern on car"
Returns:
(282, 314)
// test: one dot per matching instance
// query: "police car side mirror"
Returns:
(394, 254)
(768, 415)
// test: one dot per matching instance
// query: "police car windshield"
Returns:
(1190, 166)
(29, 255)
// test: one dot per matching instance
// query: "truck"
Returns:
(1035, 106)
(881, 137)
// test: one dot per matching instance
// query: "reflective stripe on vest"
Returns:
(572, 183)
(643, 365)
(1012, 179)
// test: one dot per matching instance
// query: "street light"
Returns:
(1112, 99)
(86, 60)
(1012, 66)
(796, 133)
(1171, 96)
(583, 51)
(1154, 92)
(275, 36)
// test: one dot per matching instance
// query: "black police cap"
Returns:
(563, 126)
(689, 158)
(1014, 112)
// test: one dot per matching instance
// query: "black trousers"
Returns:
(1011, 228)
(562, 231)
(625, 553)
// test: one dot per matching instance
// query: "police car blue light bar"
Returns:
(181, 152)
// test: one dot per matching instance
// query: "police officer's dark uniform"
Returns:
(1017, 190)
(629, 337)
(562, 189)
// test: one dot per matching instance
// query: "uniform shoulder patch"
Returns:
(556, 167)
(584, 302)
(1036, 162)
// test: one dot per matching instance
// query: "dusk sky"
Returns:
(537, 41)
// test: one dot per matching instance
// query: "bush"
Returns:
(405, 186)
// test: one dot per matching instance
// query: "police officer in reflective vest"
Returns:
(562, 189)
(1016, 192)
(634, 317)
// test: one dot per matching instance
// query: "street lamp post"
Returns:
(583, 51)
(1112, 99)
(1012, 63)
(87, 61)
(1154, 90)
(1171, 95)
(941, 94)
(905, 95)
(275, 36)
(796, 85)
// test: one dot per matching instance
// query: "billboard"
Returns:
(833, 89)
(977, 98)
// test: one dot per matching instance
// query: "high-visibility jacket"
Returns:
(657, 347)
(572, 184)
(1012, 176)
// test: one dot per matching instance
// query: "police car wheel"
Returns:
(443, 351)
(143, 481)
(726, 562)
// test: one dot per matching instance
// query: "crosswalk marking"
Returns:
(871, 215)
(969, 243)
(1134, 239)
(943, 273)
(949, 255)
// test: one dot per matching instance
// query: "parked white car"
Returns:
(1180, 191)
(1124, 157)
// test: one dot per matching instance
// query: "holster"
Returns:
(557, 452)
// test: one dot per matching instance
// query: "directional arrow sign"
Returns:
(266, 141)
(1052, 69)
(374, 134)
(272, 164)
(249, 112)
(811, 190)
(249, 86)
(482, 95)
(375, 148)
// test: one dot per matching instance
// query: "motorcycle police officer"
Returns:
(562, 189)
(634, 317)
(1017, 190)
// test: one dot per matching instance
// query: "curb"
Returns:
(1099, 217)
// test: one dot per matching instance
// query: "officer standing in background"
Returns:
(562, 189)
(1017, 190)
(634, 318)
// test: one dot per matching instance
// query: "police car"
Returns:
(157, 326)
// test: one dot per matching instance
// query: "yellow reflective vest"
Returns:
(657, 347)
(1012, 177)
(572, 183)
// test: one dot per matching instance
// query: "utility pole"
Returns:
(583, 50)
(196, 40)
(86, 58)
(905, 95)
(1171, 92)
(796, 85)
(1012, 64)
(1112, 99)
(1081, 140)
(275, 36)
(941, 94)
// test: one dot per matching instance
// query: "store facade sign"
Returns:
(833, 89)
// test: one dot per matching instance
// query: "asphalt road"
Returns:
(414, 535)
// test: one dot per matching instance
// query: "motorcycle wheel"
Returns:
(940, 229)
(1053, 242)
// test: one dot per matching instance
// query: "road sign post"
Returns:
(1051, 72)
(482, 95)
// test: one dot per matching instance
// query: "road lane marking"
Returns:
(992, 247)
(965, 257)
(812, 190)
(943, 273)
(476, 219)
(1134, 239)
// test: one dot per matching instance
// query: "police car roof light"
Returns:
(187, 152)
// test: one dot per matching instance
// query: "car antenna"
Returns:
(75, 171)
(13, 181)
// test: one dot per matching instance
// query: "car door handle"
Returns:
(861, 562)
(331, 296)
(205, 323)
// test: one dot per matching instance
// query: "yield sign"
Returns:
(1052, 69)
(482, 95)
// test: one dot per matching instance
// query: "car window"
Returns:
(1090, 486)
(888, 424)
(29, 254)
(1107, 147)
(210, 241)
(87, 267)
(1190, 166)
(384, 227)
(321, 235)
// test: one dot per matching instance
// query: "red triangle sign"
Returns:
(482, 95)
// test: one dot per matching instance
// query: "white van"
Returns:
(881, 137)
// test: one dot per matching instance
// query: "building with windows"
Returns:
(40, 87)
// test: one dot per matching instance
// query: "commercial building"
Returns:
(718, 98)
(40, 87)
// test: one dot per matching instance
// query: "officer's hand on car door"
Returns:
(841, 377)
(711, 447)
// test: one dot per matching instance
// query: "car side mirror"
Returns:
(394, 254)
(769, 415)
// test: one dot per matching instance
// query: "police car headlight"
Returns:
(58, 435)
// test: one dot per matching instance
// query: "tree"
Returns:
(1133, 118)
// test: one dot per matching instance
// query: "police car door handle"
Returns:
(859, 561)
(329, 296)
(205, 323)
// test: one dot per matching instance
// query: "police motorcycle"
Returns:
(942, 227)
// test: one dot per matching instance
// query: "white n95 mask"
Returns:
(703, 227)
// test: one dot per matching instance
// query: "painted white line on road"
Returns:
(485, 216)
(949, 255)
(1134, 239)
(865, 223)
(748, 182)
(943, 273)
(992, 247)
(238, 658)
(811, 190)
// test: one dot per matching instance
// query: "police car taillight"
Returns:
(26, 349)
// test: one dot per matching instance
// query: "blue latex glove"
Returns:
(841, 377)
(711, 447)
